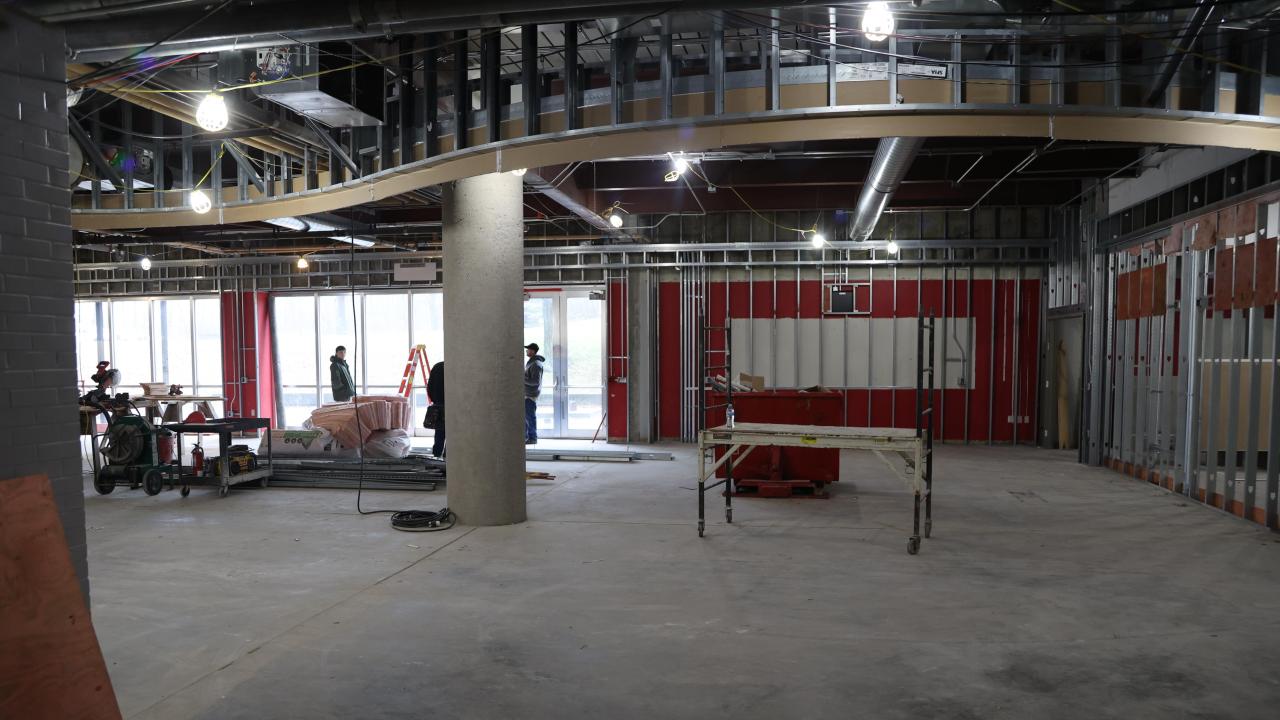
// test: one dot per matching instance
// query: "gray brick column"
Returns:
(38, 416)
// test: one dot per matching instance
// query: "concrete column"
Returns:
(483, 339)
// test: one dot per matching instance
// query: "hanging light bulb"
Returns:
(892, 247)
(679, 164)
(519, 172)
(818, 239)
(302, 263)
(145, 262)
(211, 115)
(877, 21)
(200, 202)
(615, 219)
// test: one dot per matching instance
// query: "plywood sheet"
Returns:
(1146, 291)
(1206, 232)
(1216, 412)
(1223, 280)
(1123, 280)
(50, 664)
(1243, 276)
(1265, 285)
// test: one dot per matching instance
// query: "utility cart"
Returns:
(224, 471)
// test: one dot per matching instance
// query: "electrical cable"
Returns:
(105, 68)
(404, 520)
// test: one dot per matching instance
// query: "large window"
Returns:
(379, 328)
(177, 341)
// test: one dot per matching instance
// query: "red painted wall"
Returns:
(616, 367)
(246, 352)
(994, 308)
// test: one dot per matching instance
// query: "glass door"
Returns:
(581, 385)
(569, 328)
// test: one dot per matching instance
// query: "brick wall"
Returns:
(38, 416)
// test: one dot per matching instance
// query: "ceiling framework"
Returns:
(1021, 107)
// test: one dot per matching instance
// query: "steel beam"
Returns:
(461, 91)
(91, 150)
(407, 99)
(572, 89)
(490, 82)
(431, 95)
(246, 166)
(335, 152)
(530, 96)
(1187, 37)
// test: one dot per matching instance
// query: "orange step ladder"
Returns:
(417, 359)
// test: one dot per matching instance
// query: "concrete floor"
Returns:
(1049, 590)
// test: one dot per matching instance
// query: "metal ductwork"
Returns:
(892, 160)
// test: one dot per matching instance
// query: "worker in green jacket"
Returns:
(344, 388)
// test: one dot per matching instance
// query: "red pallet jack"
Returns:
(777, 485)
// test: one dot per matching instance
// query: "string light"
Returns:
(211, 115)
(302, 263)
(145, 262)
(818, 239)
(200, 202)
(877, 21)
(679, 164)
(892, 247)
(614, 215)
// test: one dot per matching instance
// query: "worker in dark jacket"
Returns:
(435, 393)
(344, 388)
(532, 389)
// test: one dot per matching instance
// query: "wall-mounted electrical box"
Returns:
(847, 299)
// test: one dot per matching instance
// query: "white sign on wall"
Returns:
(414, 271)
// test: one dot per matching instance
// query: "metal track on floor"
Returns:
(572, 454)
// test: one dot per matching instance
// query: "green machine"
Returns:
(132, 449)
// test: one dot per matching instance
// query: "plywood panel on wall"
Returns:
(863, 92)
(803, 95)
(1215, 417)
(924, 90)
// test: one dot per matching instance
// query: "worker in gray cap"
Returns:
(532, 389)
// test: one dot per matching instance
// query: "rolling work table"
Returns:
(223, 429)
(915, 453)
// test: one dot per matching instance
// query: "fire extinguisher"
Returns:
(197, 460)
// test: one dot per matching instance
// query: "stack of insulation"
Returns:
(376, 413)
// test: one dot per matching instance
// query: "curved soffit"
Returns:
(726, 131)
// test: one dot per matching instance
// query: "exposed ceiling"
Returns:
(952, 174)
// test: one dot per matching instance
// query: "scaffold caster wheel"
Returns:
(224, 491)
(913, 544)
(928, 528)
(186, 490)
(104, 485)
(700, 527)
(152, 482)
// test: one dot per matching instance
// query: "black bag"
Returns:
(434, 418)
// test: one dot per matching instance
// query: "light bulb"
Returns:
(212, 113)
(145, 262)
(615, 219)
(680, 165)
(892, 247)
(818, 239)
(200, 202)
(519, 172)
(877, 21)
(303, 264)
